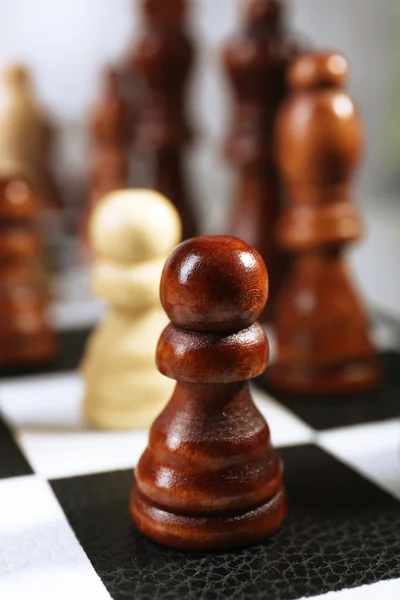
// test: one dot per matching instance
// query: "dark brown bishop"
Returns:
(210, 478)
(323, 343)
(256, 61)
(164, 57)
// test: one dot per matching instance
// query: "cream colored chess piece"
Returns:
(25, 134)
(131, 233)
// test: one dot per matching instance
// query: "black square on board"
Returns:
(71, 343)
(12, 461)
(341, 531)
(329, 412)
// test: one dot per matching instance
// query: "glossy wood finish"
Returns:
(210, 478)
(110, 127)
(25, 334)
(256, 61)
(163, 57)
(224, 357)
(323, 344)
(197, 294)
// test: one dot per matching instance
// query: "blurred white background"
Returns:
(67, 43)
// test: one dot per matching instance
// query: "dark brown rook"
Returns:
(210, 478)
(256, 61)
(323, 345)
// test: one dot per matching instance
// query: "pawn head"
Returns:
(214, 283)
(17, 199)
(132, 226)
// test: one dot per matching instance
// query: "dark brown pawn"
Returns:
(25, 334)
(210, 478)
(110, 128)
(164, 57)
(256, 61)
(323, 345)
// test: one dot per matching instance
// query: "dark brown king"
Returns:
(323, 344)
(210, 478)
(110, 137)
(163, 58)
(256, 61)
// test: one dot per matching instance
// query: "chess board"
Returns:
(65, 531)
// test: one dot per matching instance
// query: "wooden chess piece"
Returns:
(51, 187)
(41, 261)
(26, 337)
(131, 233)
(256, 61)
(210, 478)
(26, 135)
(323, 344)
(110, 133)
(163, 58)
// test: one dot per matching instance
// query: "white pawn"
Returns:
(131, 232)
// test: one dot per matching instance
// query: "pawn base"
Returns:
(351, 377)
(207, 533)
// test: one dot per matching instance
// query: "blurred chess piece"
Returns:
(323, 342)
(163, 57)
(109, 152)
(26, 134)
(131, 233)
(256, 61)
(26, 337)
(11, 171)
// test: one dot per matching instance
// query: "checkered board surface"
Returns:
(65, 531)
